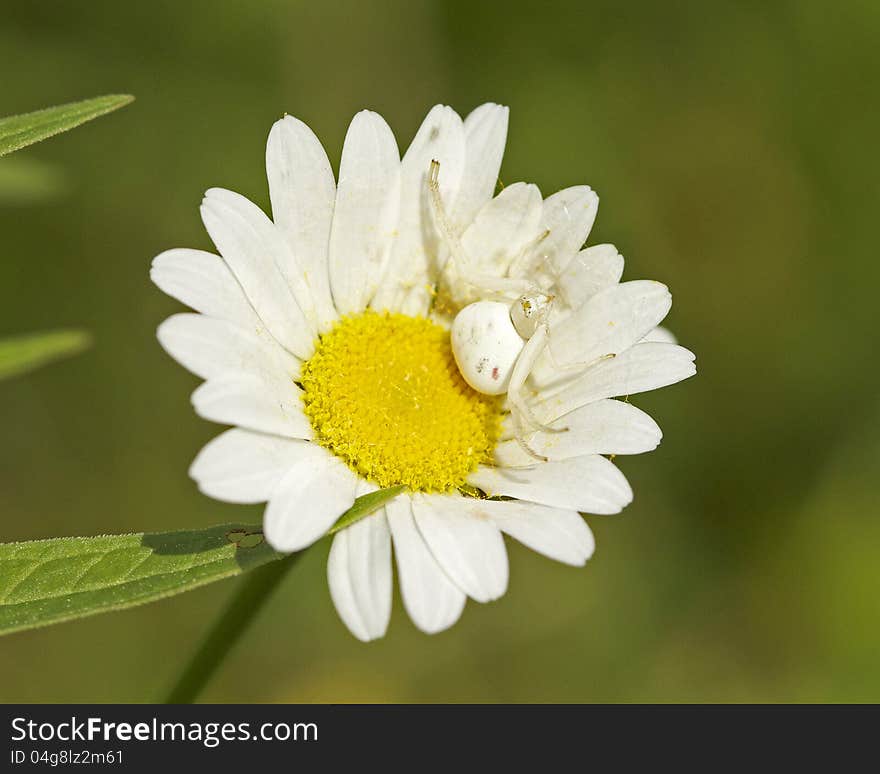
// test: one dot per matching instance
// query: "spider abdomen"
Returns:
(486, 345)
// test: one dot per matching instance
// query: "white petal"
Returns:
(315, 491)
(643, 367)
(239, 466)
(588, 484)
(267, 405)
(608, 323)
(485, 134)
(568, 216)
(589, 272)
(359, 575)
(210, 347)
(432, 600)
(252, 247)
(502, 228)
(661, 334)
(603, 427)
(365, 487)
(559, 534)
(417, 249)
(204, 282)
(367, 204)
(302, 191)
(466, 544)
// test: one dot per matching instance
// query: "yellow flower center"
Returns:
(383, 393)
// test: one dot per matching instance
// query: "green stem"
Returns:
(248, 600)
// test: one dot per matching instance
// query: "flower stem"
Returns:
(248, 600)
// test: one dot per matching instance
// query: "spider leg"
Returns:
(577, 364)
(461, 261)
(525, 259)
(582, 366)
(523, 444)
(521, 370)
(543, 271)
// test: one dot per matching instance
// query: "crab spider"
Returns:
(496, 344)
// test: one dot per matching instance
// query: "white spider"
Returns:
(496, 344)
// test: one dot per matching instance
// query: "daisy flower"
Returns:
(323, 337)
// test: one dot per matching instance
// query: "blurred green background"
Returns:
(734, 148)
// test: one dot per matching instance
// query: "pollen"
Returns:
(383, 393)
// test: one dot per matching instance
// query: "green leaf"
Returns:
(25, 180)
(44, 582)
(48, 581)
(19, 354)
(20, 131)
(364, 506)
